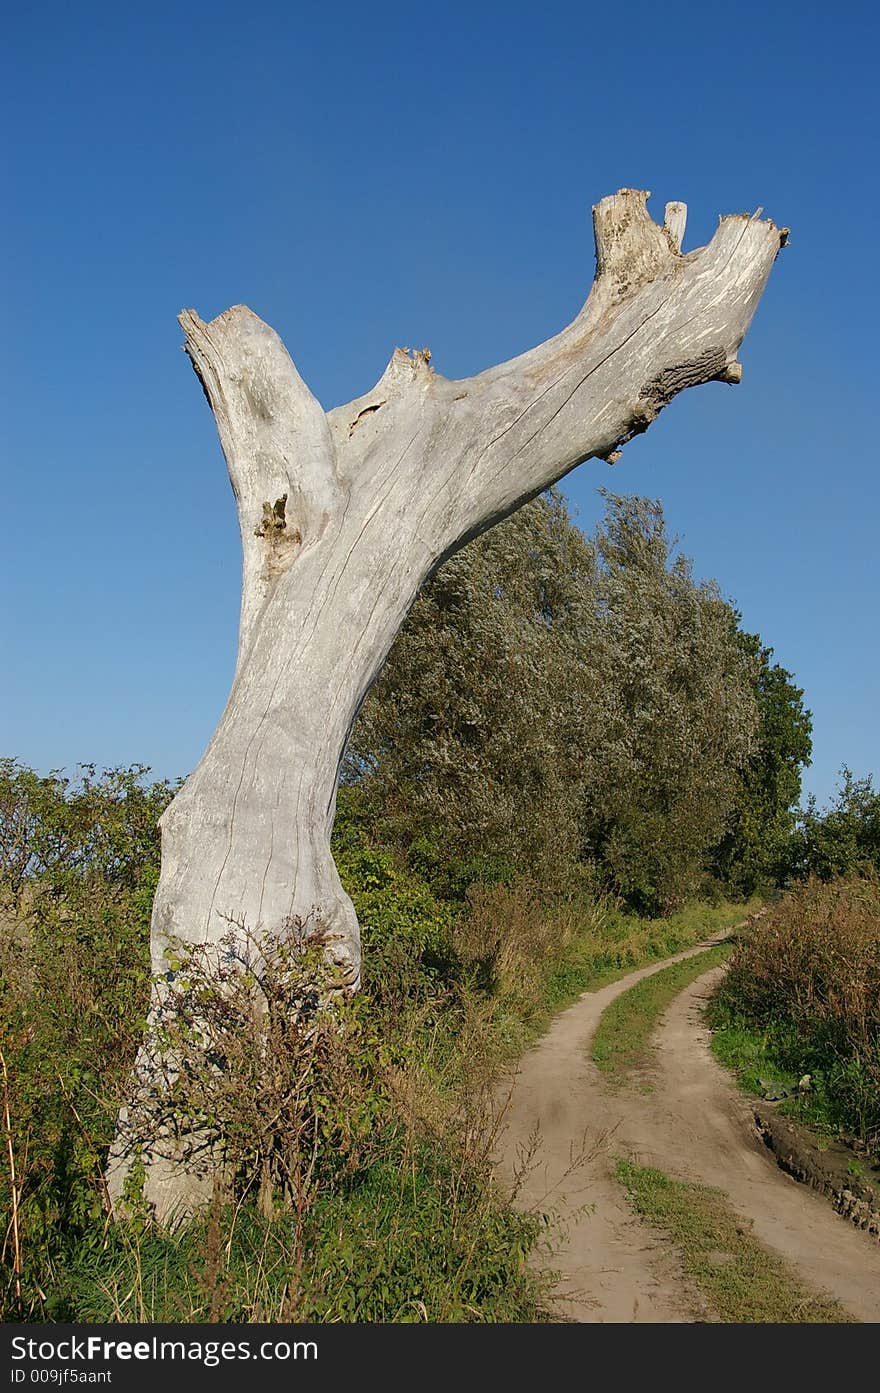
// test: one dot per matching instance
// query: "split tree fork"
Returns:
(343, 515)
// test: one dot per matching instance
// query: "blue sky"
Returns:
(367, 176)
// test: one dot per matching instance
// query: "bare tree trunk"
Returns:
(343, 515)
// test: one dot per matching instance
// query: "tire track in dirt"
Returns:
(694, 1125)
(699, 1126)
(612, 1268)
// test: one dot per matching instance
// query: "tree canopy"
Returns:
(559, 701)
(757, 846)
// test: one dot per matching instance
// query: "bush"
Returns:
(406, 928)
(808, 976)
(259, 1068)
(78, 867)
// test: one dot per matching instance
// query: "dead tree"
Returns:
(343, 515)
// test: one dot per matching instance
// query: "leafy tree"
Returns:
(678, 713)
(555, 702)
(846, 837)
(757, 846)
(468, 748)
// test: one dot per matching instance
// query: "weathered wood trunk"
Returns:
(343, 515)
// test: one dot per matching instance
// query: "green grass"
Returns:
(598, 954)
(629, 942)
(621, 1042)
(406, 1243)
(756, 1057)
(748, 1054)
(740, 1280)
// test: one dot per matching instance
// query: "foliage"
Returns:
(62, 832)
(257, 1066)
(757, 847)
(677, 713)
(846, 837)
(580, 706)
(807, 978)
(78, 867)
(406, 927)
(468, 747)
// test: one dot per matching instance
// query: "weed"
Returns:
(740, 1279)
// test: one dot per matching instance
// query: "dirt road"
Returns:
(693, 1125)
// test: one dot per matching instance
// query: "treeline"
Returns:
(582, 706)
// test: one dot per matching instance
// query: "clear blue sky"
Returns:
(365, 176)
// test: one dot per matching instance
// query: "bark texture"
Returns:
(344, 514)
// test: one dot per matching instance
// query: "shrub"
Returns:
(258, 1067)
(808, 975)
(78, 867)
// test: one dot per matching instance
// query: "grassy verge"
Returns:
(412, 1241)
(599, 948)
(757, 1060)
(630, 942)
(751, 1056)
(621, 1042)
(741, 1281)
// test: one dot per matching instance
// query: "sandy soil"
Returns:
(693, 1125)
